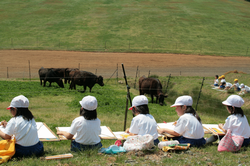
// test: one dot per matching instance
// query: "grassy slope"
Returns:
(58, 107)
(198, 27)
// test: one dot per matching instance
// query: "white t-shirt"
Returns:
(222, 80)
(237, 84)
(189, 127)
(228, 84)
(88, 131)
(18, 126)
(216, 81)
(238, 125)
(144, 124)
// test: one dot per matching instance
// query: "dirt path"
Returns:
(105, 64)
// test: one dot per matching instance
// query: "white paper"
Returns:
(43, 131)
(105, 132)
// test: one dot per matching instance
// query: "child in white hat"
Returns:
(143, 123)
(236, 122)
(87, 127)
(23, 127)
(188, 128)
(244, 89)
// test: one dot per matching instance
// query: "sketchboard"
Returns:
(214, 128)
(106, 133)
(44, 132)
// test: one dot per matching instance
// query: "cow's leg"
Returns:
(71, 85)
(41, 82)
(49, 84)
(84, 88)
(152, 98)
(157, 98)
(44, 83)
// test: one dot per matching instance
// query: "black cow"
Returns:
(51, 75)
(153, 87)
(86, 79)
(42, 73)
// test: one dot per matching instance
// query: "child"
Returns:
(143, 123)
(23, 126)
(236, 85)
(223, 79)
(86, 126)
(216, 81)
(228, 85)
(223, 85)
(188, 128)
(244, 89)
(236, 122)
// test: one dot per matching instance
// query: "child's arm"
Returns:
(169, 131)
(4, 136)
(221, 127)
(65, 134)
(127, 131)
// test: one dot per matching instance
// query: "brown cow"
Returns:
(153, 87)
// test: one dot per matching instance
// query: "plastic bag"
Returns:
(7, 149)
(138, 142)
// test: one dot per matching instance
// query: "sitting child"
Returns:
(143, 123)
(223, 85)
(236, 122)
(216, 81)
(188, 128)
(228, 85)
(86, 126)
(236, 85)
(244, 89)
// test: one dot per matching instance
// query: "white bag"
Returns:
(139, 142)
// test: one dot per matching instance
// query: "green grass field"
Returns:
(215, 27)
(58, 107)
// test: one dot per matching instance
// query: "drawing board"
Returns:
(44, 132)
(214, 129)
(106, 133)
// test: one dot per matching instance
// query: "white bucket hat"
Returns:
(183, 100)
(89, 103)
(19, 102)
(234, 100)
(139, 100)
(241, 85)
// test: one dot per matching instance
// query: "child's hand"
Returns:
(175, 123)
(221, 126)
(4, 123)
(127, 130)
(160, 131)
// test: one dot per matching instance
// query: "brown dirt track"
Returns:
(105, 64)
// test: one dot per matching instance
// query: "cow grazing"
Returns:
(85, 79)
(153, 87)
(42, 73)
(51, 75)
